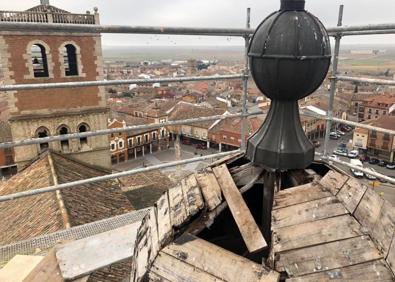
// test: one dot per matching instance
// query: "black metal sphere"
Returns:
(289, 53)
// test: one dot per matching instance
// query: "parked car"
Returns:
(339, 132)
(334, 135)
(186, 141)
(340, 152)
(369, 176)
(334, 157)
(342, 145)
(390, 166)
(346, 128)
(316, 143)
(374, 161)
(382, 163)
(357, 173)
(353, 154)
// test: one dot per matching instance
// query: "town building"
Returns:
(28, 57)
(7, 164)
(227, 133)
(374, 106)
(377, 144)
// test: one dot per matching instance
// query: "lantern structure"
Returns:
(289, 58)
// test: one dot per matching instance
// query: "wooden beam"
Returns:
(210, 188)
(333, 181)
(19, 267)
(249, 230)
(47, 270)
(81, 257)
(351, 194)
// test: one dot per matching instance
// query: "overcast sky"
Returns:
(214, 13)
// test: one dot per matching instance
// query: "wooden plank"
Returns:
(178, 212)
(307, 212)
(210, 188)
(351, 194)
(81, 257)
(153, 223)
(328, 256)
(19, 267)
(384, 228)
(334, 181)
(142, 249)
(163, 219)
(249, 230)
(217, 261)
(192, 196)
(368, 210)
(300, 194)
(47, 270)
(316, 232)
(369, 271)
(168, 268)
(391, 255)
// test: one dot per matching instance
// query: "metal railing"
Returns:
(245, 33)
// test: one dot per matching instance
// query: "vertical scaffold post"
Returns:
(244, 125)
(335, 62)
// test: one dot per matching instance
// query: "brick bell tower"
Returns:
(45, 57)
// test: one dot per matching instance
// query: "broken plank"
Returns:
(210, 188)
(243, 174)
(218, 261)
(316, 232)
(334, 181)
(328, 256)
(300, 194)
(142, 249)
(169, 268)
(227, 159)
(163, 218)
(369, 271)
(384, 228)
(307, 212)
(351, 194)
(249, 230)
(178, 212)
(368, 210)
(81, 257)
(153, 223)
(47, 270)
(192, 196)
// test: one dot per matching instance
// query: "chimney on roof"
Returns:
(44, 2)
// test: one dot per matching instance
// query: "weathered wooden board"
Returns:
(391, 256)
(168, 268)
(153, 223)
(227, 159)
(81, 257)
(192, 196)
(351, 194)
(383, 230)
(316, 232)
(178, 212)
(142, 249)
(306, 212)
(210, 188)
(368, 210)
(19, 267)
(163, 218)
(217, 261)
(369, 271)
(300, 194)
(334, 181)
(249, 230)
(47, 270)
(328, 256)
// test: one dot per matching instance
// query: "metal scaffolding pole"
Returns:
(333, 82)
(244, 124)
(39, 86)
(365, 80)
(96, 179)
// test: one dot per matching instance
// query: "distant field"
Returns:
(136, 54)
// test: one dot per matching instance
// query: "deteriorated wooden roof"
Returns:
(334, 229)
